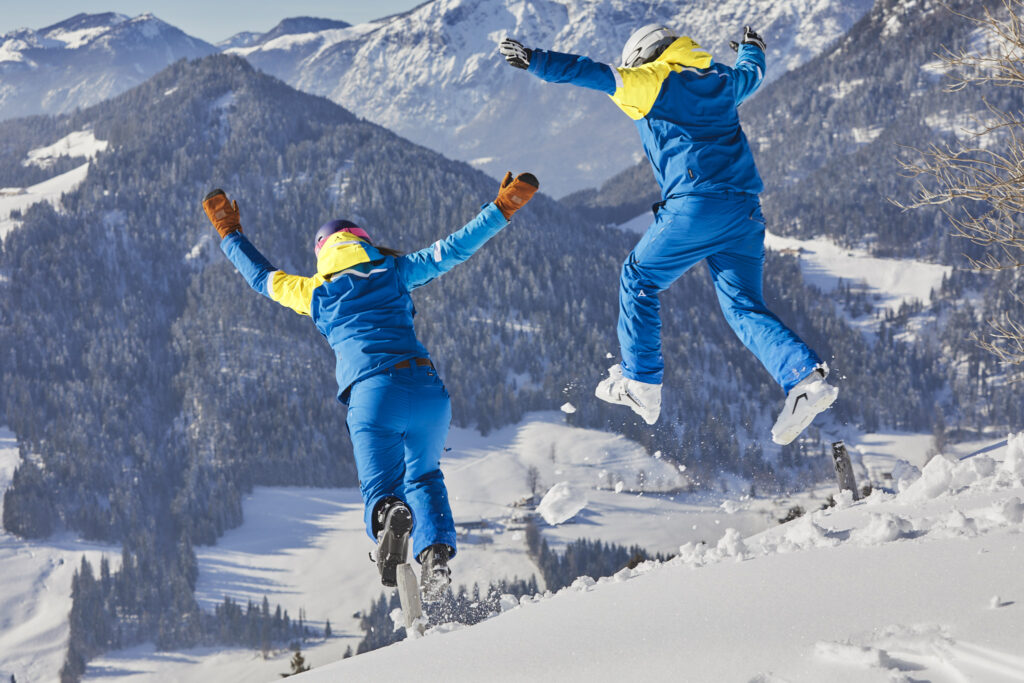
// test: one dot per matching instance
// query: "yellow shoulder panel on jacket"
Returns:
(293, 291)
(639, 88)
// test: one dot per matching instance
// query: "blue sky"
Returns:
(211, 21)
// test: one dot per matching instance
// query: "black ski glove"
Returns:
(750, 37)
(515, 54)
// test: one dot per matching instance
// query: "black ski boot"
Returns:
(436, 576)
(393, 521)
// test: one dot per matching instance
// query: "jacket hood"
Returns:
(341, 251)
(684, 51)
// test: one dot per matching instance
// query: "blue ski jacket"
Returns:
(359, 298)
(684, 107)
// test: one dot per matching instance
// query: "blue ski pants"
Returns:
(726, 230)
(398, 422)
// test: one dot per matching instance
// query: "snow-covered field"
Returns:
(35, 590)
(925, 585)
(890, 281)
(79, 144)
(82, 143)
(306, 549)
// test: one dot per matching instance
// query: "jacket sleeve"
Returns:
(292, 291)
(634, 90)
(558, 67)
(419, 268)
(749, 72)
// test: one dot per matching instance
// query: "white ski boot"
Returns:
(804, 401)
(643, 398)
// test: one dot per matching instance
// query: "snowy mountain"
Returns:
(86, 59)
(287, 27)
(433, 74)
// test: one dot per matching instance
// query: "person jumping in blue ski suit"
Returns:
(398, 408)
(685, 108)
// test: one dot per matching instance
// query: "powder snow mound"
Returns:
(942, 476)
(561, 503)
(1014, 462)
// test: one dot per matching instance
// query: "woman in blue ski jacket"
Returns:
(685, 109)
(398, 408)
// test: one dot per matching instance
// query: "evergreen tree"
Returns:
(298, 664)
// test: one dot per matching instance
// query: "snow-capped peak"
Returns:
(85, 59)
(81, 29)
(432, 74)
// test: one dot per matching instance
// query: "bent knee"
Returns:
(634, 279)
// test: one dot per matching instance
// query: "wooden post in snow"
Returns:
(844, 471)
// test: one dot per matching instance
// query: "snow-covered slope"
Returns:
(923, 585)
(433, 74)
(84, 60)
(35, 597)
(80, 144)
(287, 27)
(306, 549)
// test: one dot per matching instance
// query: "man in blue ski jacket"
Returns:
(398, 408)
(685, 108)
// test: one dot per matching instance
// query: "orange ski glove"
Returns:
(222, 213)
(514, 194)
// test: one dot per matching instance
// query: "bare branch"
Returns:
(980, 186)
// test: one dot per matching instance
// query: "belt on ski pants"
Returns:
(406, 364)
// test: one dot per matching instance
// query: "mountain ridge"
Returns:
(433, 75)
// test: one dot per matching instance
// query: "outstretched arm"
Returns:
(750, 65)
(633, 89)
(559, 67)
(419, 268)
(292, 291)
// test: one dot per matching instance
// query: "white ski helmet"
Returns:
(645, 44)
